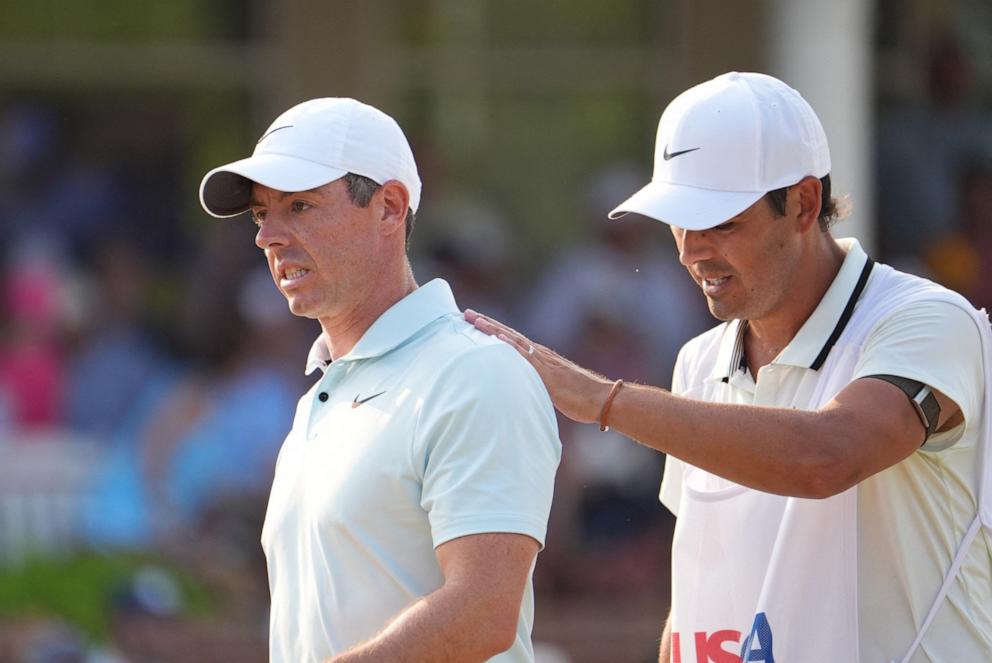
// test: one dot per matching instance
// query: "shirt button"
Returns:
(322, 396)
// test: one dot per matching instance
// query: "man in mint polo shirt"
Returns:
(411, 496)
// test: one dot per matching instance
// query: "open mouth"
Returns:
(293, 276)
(712, 286)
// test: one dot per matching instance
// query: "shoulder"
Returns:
(932, 311)
(458, 356)
(928, 332)
(476, 388)
(889, 285)
(465, 346)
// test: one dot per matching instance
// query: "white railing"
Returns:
(43, 481)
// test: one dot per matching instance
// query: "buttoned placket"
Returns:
(768, 384)
(740, 380)
(324, 395)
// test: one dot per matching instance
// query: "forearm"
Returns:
(446, 626)
(868, 426)
(776, 450)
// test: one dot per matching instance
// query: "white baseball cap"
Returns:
(311, 144)
(725, 143)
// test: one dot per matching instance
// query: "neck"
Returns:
(768, 335)
(343, 330)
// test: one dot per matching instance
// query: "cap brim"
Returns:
(226, 191)
(688, 207)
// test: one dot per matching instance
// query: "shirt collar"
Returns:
(730, 353)
(809, 347)
(395, 326)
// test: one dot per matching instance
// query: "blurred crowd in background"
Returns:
(149, 368)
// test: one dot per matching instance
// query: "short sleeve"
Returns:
(487, 443)
(936, 343)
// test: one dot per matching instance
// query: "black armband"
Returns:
(922, 398)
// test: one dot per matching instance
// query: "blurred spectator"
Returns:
(462, 238)
(208, 432)
(633, 265)
(621, 304)
(117, 355)
(607, 532)
(46, 191)
(31, 354)
(922, 148)
(234, 421)
(962, 259)
(468, 246)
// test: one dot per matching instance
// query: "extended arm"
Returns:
(471, 617)
(869, 426)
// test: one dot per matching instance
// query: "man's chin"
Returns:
(300, 309)
(721, 311)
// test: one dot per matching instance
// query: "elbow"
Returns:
(823, 486)
(499, 636)
(824, 459)
(490, 646)
(502, 645)
(496, 628)
(825, 473)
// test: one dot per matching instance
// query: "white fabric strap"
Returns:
(952, 573)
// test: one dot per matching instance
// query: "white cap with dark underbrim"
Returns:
(725, 143)
(312, 144)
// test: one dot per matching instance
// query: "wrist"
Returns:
(607, 406)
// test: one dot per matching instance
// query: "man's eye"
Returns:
(257, 216)
(300, 206)
(723, 227)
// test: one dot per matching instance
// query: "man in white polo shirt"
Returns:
(412, 494)
(829, 442)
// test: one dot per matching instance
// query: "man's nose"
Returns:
(693, 246)
(271, 232)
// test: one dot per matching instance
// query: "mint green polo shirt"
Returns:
(428, 430)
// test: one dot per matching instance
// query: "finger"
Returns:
(518, 339)
(490, 326)
(498, 329)
(522, 348)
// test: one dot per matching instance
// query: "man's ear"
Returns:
(395, 203)
(804, 201)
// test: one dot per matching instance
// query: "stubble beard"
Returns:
(725, 311)
(739, 308)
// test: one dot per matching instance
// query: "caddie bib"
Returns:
(758, 577)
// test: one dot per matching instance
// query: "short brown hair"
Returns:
(830, 208)
(360, 192)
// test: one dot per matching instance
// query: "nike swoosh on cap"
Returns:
(355, 403)
(671, 155)
(269, 133)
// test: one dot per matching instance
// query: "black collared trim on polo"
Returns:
(738, 362)
(845, 317)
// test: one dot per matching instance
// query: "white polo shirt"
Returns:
(428, 430)
(910, 516)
